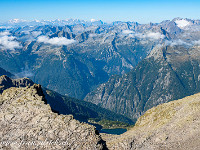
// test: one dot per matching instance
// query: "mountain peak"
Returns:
(26, 118)
(6, 82)
(92, 20)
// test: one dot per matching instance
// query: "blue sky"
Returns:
(142, 11)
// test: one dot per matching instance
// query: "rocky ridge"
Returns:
(6, 82)
(28, 123)
(173, 125)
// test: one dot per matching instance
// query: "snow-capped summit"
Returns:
(16, 20)
(92, 20)
(181, 23)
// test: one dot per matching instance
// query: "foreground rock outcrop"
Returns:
(173, 125)
(28, 123)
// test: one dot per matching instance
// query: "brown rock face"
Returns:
(6, 82)
(170, 126)
(28, 123)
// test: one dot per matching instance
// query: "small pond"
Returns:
(117, 131)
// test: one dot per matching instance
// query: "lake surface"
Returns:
(117, 131)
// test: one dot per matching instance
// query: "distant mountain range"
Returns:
(81, 57)
(126, 67)
(169, 72)
(63, 22)
(57, 22)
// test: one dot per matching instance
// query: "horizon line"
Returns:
(86, 20)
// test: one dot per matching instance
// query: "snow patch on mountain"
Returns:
(92, 20)
(182, 23)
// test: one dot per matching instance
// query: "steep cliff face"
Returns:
(81, 110)
(168, 73)
(28, 123)
(173, 125)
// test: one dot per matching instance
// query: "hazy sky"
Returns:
(142, 11)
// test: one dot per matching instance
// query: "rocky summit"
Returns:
(28, 123)
(169, 126)
(6, 82)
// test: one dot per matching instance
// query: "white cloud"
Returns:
(196, 42)
(55, 40)
(4, 33)
(26, 32)
(5, 27)
(150, 35)
(177, 42)
(155, 35)
(36, 33)
(182, 23)
(8, 42)
(92, 35)
(127, 32)
(131, 35)
(143, 41)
